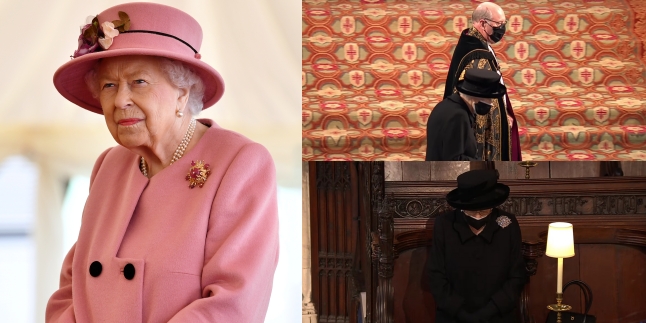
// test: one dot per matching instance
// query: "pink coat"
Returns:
(169, 253)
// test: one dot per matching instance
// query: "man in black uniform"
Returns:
(497, 132)
(450, 129)
(476, 266)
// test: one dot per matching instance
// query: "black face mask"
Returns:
(482, 108)
(476, 224)
(498, 32)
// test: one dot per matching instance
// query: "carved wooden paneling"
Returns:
(372, 233)
(419, 208)
(373, 195)
(608, 215)
(526, 206)
(384, 308)
(343, 196)
(332, 206)
(575, 196)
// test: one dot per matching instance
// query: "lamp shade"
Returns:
(560, 240)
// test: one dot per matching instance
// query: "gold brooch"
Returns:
(503, 221)
(198, 173)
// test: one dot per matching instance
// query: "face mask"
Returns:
(482, 108)
(476, 224)
(498, 32)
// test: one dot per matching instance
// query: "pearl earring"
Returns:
(179, 113)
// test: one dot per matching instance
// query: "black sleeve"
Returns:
(507, 297)
(446, 299)
(455, 133)
(429, 144)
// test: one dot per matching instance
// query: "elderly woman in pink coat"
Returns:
(181, 221)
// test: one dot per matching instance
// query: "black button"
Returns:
(95, 269)
(129, 271)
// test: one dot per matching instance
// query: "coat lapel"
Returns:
(112, 201)
(462, 227)
(114, 194)
(491, 227)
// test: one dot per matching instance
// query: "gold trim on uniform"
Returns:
(482, 63)
(475, 33)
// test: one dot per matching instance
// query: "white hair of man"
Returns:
(481, 12)
(179, 75)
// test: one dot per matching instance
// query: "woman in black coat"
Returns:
(476, 266)
(450, 128)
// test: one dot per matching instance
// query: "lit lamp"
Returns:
(560, 244)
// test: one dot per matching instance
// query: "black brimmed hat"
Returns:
(481, 83)
(478, 190)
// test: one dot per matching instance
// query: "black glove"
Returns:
(466, 317)
(487, 312)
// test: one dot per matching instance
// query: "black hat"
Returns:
(478, 190)
(481, 83)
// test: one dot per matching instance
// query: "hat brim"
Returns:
(491, 199)
(502, 90)
(69, 79)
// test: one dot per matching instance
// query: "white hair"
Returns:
(481, 12)
(180, 75)
(184, 78)
(469, 98)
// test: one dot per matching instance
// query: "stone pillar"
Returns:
(49, 236)
(309, 312)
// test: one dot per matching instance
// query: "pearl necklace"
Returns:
(179, 152)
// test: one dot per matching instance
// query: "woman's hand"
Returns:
(487, 312)
(466, 317)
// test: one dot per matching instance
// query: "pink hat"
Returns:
(154, 30)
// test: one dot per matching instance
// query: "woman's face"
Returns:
(483, 100)
(479, 214)
(138, 101)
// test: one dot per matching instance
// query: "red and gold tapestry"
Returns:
(373, 70)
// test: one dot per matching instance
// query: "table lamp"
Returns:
(560, 244)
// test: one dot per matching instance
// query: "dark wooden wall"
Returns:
(371, 224)
(341, 204)
(332, 206)
(441, 171)
(609, 218)
(615, 273)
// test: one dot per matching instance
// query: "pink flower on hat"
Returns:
(93, 35)
(87, 43)
(109, 33)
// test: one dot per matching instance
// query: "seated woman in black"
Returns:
(450, 129)
(476, 266)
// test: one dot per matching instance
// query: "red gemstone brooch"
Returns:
(198, 173)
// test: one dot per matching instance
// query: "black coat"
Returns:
(468, 47)
(449, 131)
(468, 271)
(495, 138)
